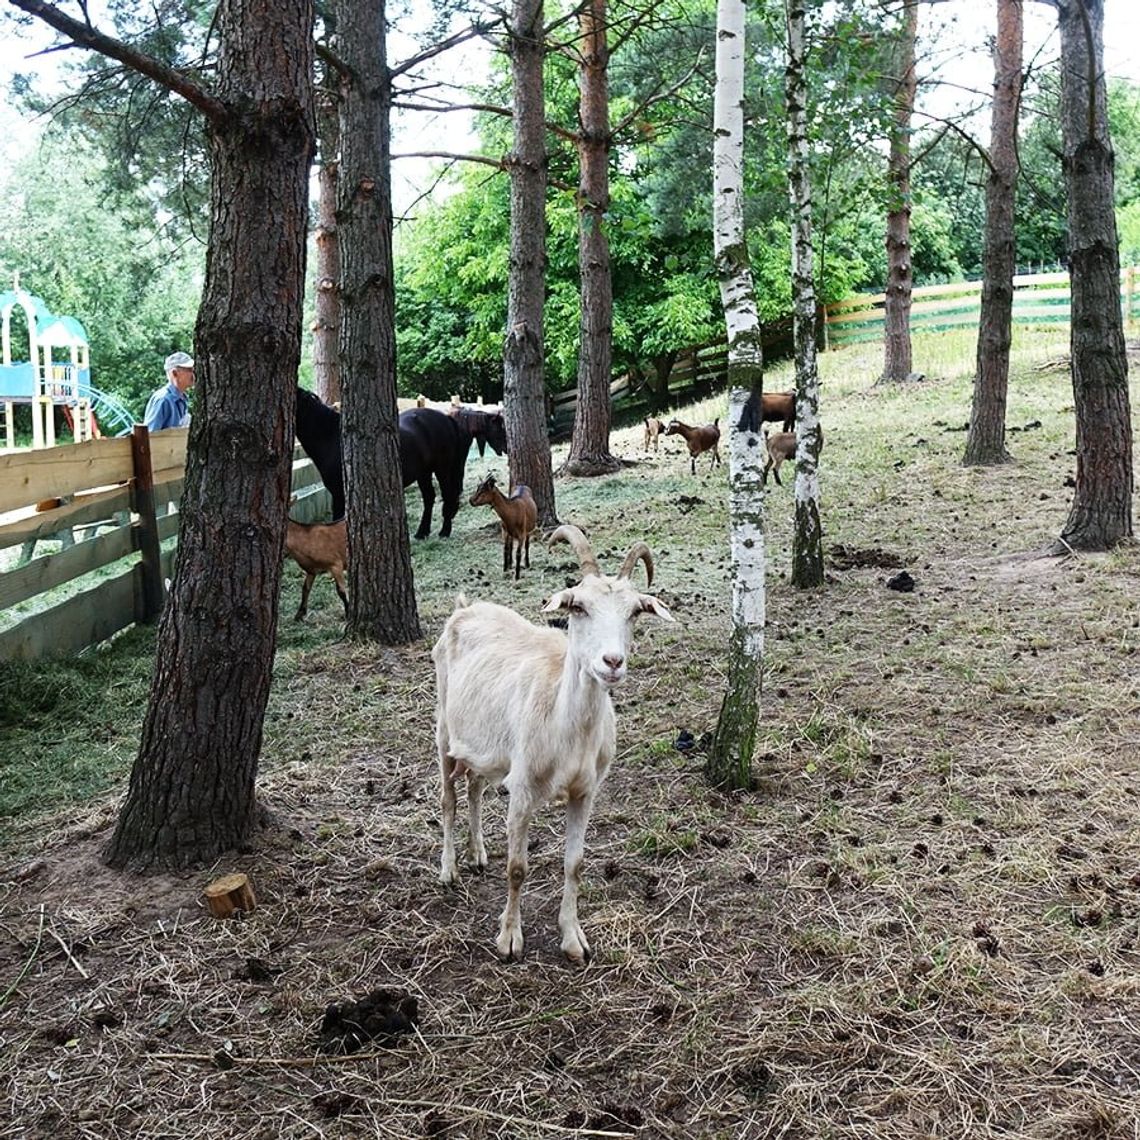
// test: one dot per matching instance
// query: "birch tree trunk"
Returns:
(730, 757)
(985, 443)
(1101, 515)
(807, 545)
(590, 443)
(524, 389)
(900, 276)
(381, 593)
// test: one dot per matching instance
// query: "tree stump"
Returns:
(228, 894)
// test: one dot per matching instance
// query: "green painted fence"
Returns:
(1041, 298)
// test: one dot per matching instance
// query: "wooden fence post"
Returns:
(146, 529)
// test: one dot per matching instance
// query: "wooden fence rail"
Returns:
(105, 501)
(1040, 298)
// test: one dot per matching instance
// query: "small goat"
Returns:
(781, 445)
(699, 439)
(518, 514)
(653, 428)
(318, 548)
(530, 706)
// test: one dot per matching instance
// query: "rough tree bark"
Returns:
(381, 592)
(1101, 514)
(191, 793)
(524, 388)
(590, 444)
(327, 316)
(807, 544)
(730, 756)
(900, 278)
(985, 443)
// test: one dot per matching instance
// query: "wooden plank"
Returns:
(86, 509)
(168, 449)
(53, 570)
(82, 620)
(26, 477)
(168, 525)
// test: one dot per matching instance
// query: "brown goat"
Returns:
(775, 406)
(518, 514)
(653, 428)
(318, 548)
(781, 445)
(699, 440)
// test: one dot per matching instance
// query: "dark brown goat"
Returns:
(699, 440)
(318, 548)
(776, 406)
(518, 514)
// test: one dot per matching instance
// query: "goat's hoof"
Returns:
(576, 948)
(509, 946)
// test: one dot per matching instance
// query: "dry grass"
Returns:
(923, 922)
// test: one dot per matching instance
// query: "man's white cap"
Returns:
(178, 360)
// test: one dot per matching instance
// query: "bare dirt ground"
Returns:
(922, 922)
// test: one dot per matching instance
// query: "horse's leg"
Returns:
(451, 488)
(428, 493)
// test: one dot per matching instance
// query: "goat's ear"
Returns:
(650, 605)
(563, 600)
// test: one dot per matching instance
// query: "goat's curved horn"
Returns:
(638, 551)
(581, 544)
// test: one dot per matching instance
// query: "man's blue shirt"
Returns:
(167, 408)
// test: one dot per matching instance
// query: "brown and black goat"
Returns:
(518, 514)
(699, 440)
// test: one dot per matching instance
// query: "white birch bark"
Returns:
(731, 757)
(807, 558)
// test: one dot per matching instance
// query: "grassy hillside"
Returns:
(922, 922)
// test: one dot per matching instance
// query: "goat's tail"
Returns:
(461, 602)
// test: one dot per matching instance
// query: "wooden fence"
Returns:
(110, 503)
(1042, 298)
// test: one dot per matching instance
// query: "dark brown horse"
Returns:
(432, 443)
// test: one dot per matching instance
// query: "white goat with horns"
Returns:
(530, 706)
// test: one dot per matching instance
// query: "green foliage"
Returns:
(134, 290)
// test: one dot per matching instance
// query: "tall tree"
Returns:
(730, 757)
(807, 545)
(1101, 514)
(191, 793)
(524, 389)
(589, 445)
(900, 272)
(326, 239)
(985, 443)
(382, 600)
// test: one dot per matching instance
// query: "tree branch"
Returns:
(85, 35)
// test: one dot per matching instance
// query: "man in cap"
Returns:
(169, 406)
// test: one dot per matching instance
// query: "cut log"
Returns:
(228, 894)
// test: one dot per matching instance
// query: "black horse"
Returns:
(431, 443)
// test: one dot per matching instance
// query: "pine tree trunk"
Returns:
(807, 544)
(1101, 515)
(730, 756)
(900, 277)
(524, 388)
(590, 443)
(985, 443)
(192, 788)
(326, 322)
(381, 592)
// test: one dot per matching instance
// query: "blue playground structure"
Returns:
(45, 381)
